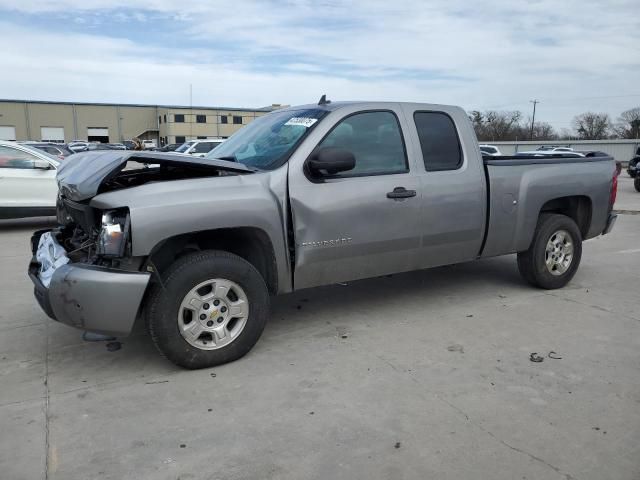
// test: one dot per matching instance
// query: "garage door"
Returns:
(7, 133)
(52, 134)
(98, 134)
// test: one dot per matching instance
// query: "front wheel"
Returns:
(636, 183)
(211, 309)
(554, 255)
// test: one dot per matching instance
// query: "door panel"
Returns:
(25, 186)
(451, 179)
(362, 223)
(349, 229)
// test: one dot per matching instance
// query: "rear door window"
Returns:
(439, 141)
(14, 158)
(204, 147)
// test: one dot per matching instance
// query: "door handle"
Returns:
(401, 192)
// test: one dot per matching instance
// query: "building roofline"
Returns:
(99, 104)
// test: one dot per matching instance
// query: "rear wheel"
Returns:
(212, 309)
(554, 255)
(636, 183)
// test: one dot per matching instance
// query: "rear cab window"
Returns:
(439, 142)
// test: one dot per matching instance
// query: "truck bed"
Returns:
(521, 187)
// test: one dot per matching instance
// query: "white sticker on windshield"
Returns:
(304, 121)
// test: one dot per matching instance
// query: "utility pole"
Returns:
(190, 111)
(533, 118)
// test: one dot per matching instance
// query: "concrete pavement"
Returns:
(421, 375)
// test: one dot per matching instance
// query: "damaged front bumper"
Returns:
(90, 297)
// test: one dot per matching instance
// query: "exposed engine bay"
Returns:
(136, 173)
(102, 237)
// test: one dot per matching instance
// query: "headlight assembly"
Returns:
(113, 236)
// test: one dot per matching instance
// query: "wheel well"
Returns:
(250, 243)
(576, 207)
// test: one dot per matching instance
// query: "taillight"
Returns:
(61, 157)
(614, 190)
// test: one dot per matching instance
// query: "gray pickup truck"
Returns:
(301, 197)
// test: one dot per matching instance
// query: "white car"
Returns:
(547, 153)
(199, 148)
(149, 144)
(554, 149)
(28, 186)
(490, 150)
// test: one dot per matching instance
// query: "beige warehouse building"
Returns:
(113, 123)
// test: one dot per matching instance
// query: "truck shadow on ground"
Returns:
(448, 284)
(307, 311)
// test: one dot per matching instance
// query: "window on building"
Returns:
(201, 119)
(375, 140)
(224, 119)
(237, 120)
(180, 139)
(7, 132)
(98, 134)
(204, 137)
(165, 118)
(438, 140)
(178, 118)
(160, 119)
(52, 134)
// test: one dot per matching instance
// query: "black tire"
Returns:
(636, 183)
(531, 263)
(163, 304)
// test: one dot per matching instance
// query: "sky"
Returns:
(572, 56)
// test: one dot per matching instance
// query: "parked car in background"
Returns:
(489, 150)
(117, 146)
(549, 153)
(302, 197)
(149, 144)
(554, 148)
(28, 185)
(58, 150)
(78, 145)
(129, 144)
(170, 147)
(634, 169)
(105, 146)
(199, 148)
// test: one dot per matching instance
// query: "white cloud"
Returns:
(252, 53)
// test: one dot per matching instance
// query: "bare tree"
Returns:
(477, 120)
(592, 126)
(541, 131)
(501, 125)
(628, 125)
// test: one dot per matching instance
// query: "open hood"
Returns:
(83, 175)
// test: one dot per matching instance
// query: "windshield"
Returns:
(267, 142)
(184, 147)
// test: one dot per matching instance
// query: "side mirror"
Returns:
(331, 160)
(41, 164)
